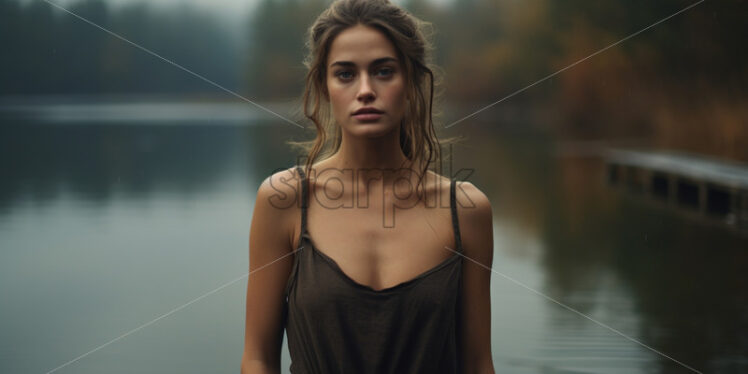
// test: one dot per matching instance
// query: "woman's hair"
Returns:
(408, 34)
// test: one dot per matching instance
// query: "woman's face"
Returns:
(363, 72)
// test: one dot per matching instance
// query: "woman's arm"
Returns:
(270, 239)
(476, 229)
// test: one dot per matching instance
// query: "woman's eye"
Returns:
(343, 75)
(387, 71)
(347, 75)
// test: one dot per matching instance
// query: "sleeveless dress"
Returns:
(337, 325)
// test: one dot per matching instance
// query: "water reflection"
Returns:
(103, 228)
(672, 283)
(106, 227)
(95, 162)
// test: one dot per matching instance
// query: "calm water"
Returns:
(105, 226)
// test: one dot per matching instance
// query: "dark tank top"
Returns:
(337, 325)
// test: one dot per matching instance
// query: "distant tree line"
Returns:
(490, 46)
(681, 83)
(486, 47)
(47, 51)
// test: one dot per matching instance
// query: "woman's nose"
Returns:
(365, 90)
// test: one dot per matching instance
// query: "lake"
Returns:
(127, 227)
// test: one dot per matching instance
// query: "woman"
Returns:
(348, 253)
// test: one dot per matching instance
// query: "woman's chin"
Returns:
(370, 129)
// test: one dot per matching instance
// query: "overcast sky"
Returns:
(235, 12)
(227, 6)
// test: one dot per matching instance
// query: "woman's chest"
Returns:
(321, 289)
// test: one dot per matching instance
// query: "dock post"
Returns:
(672, 184)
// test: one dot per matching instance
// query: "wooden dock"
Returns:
(712, 189)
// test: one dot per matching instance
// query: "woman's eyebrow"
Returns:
(375, 62)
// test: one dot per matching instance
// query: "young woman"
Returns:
(371, 262)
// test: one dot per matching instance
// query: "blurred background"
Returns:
(619, 185)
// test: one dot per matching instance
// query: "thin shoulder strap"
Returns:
(304, 201)
(455, 221)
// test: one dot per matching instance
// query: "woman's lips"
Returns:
(367, 116)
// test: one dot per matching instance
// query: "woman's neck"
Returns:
(371, 157)
(360, 152)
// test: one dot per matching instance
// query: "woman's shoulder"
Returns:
(281, 189)
(467, 194)
(277, 207)
(472, 203)
(475, 216)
